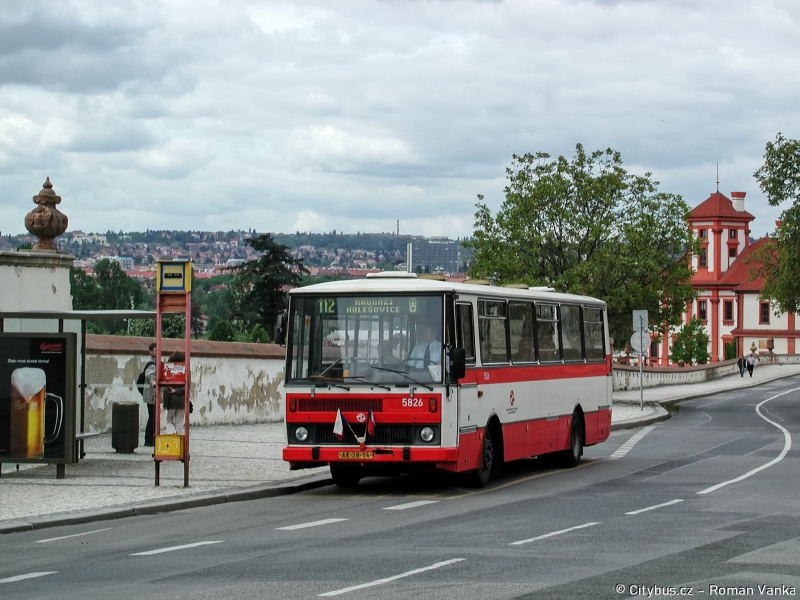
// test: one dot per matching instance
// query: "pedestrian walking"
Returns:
(751, 363)
(148, 394)
(742, 364)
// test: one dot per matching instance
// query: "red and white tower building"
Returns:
(728, 302)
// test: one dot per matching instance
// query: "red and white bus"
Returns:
(395, 373)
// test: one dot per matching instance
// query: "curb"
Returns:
(673, 401)
(162, 506)
(630, 424)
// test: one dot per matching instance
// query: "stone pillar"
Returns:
(38, 279)
(35, 281)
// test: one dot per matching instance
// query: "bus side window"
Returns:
(520, 327)
(547, 339)
(492, 329)
(571, 332)
(593, 333)
(465, 335)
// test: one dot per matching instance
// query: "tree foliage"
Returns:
(261, 283)
(588, 226)
(690, 344)
(109, 288)
(779, 179)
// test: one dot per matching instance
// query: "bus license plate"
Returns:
(355, 455)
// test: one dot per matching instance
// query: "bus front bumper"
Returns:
(312, 456)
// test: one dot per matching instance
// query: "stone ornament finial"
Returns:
(45, 221)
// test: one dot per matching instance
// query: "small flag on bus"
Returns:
(338, 425)
(371, 423)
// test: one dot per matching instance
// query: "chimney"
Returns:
(737, 199)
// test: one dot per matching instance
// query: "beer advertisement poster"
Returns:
(37, 388)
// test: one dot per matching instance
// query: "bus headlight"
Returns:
(427, 434)
(301, 434)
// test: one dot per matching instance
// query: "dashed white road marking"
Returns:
(438, 565)
(626, 447)
(26, 576)
(64, 537)
(174, 548)
(787, 445)
(410, 505)
(641, 510)
(554, 533)
(311, 524)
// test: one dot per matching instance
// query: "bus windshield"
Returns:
(382, 339)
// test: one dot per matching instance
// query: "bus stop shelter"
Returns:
(38, 340)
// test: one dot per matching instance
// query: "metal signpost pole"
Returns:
(641, 360)
(640, 326)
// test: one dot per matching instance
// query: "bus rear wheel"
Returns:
(482, 475)
(345, 476)
(571, 457)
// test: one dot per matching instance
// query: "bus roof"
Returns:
(413, 285)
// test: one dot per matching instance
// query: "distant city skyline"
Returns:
(307, 116)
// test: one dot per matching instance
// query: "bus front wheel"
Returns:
(572, 457)
(345, 476)
(481, 475)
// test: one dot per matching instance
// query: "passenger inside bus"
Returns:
(548, 344)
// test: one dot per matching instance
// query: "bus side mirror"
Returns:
(458, 363)
(280, 329)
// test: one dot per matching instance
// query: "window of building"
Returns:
(701, 310)
(732, 252)
(764, 317)
(704, 233)
(703, 259)
(732, 234)
(727, 310)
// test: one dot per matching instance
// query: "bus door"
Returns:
(467, 390)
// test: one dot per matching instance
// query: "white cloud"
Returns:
(232, 114)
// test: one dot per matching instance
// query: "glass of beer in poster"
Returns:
(28, 398)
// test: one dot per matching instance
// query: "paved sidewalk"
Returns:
(237, 462)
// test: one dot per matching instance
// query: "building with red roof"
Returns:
(727, 277)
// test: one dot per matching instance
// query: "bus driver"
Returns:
(428, 350)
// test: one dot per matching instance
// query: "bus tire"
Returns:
(571, 457)
(345, 476)
(482, 475)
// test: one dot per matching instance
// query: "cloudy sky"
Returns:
(348, 115)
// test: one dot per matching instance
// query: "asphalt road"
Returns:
(704, 504)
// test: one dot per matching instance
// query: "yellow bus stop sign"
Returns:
(174, 276)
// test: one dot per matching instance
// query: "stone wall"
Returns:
(627, 377)
(231, 383)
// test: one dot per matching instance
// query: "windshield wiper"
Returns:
(404, 374)
(363, 379)
(338, 381)
(332, 381)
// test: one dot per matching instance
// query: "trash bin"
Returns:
(125, 427)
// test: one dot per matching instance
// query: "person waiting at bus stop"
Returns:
(427, 351)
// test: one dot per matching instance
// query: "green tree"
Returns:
(779, 179)
(691, 344)
(587, 226)
(222, 332)
(117, 290)
(262, 282)
(84, 289)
